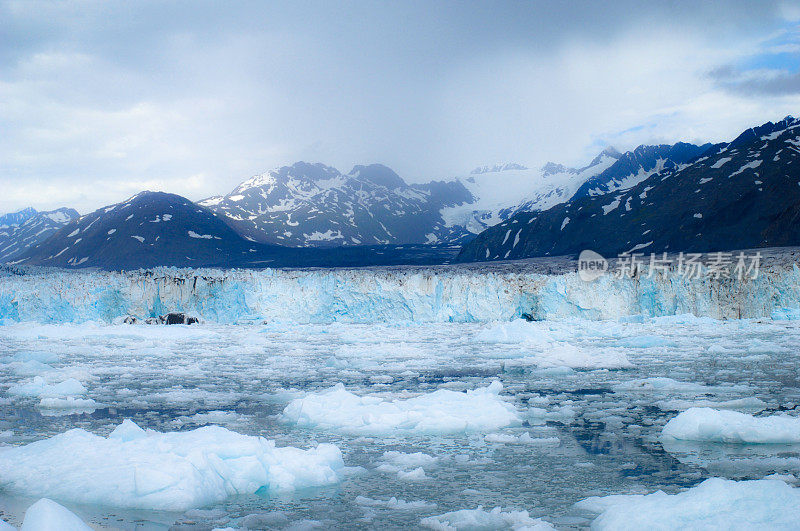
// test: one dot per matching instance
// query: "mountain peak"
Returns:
(609, 151)
(551, 168)
(19, 217)
(612, 152)
(316, 171)
(378, 174)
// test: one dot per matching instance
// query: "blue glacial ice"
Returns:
(442, 411)
(713, 425)
(446, 294)
(139, 468)
(715, 503)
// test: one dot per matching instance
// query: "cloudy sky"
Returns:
(101, 99)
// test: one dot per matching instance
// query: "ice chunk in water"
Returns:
(442, 411)
(417, 474)
(724, 426)
(715, 503)
(167, 471)
(525, 438)
(395, 504)
(39, 388)
(412, 460)
(497, 518)
(563, 355)
(47, 515)
(545, 348)
(127, 431)
(57, 407)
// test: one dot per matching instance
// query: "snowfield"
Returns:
(375, 411)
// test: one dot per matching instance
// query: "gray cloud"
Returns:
(101, 99)
(767, 82)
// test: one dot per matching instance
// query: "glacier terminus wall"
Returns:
(465, 293)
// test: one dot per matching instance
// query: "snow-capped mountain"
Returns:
(20, 231)
(316, 205)
(635, 166)
(501, 191)
(313, 205)
(742, 194)
(159, 229)
(17, 218)
(150, 228)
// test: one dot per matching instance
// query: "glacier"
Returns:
(471, 293)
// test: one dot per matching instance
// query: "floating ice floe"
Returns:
(525, 438)
(39, 388)
(751, 404)
(645, 342)
(659, 383)
(417, 474)
(210, 417)
(497, 518)
(518, 331)
(146, 469)
(711, 425)
(68, 405)
(408, 460)
(30, 368)
(47, 515)
(36, 356)
(395, 504)
(439, 412)
(714, 504)
(408, 467)
(546, 348)
(572, 357)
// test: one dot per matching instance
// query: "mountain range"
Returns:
(658, 197)
(26, 229)
(736, 195)
(316, 205)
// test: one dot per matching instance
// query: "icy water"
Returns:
(593, 397)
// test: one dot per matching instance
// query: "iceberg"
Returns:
(175, 471)
(713, 504)
(705, 424)
(440, 412)
(47, 515)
